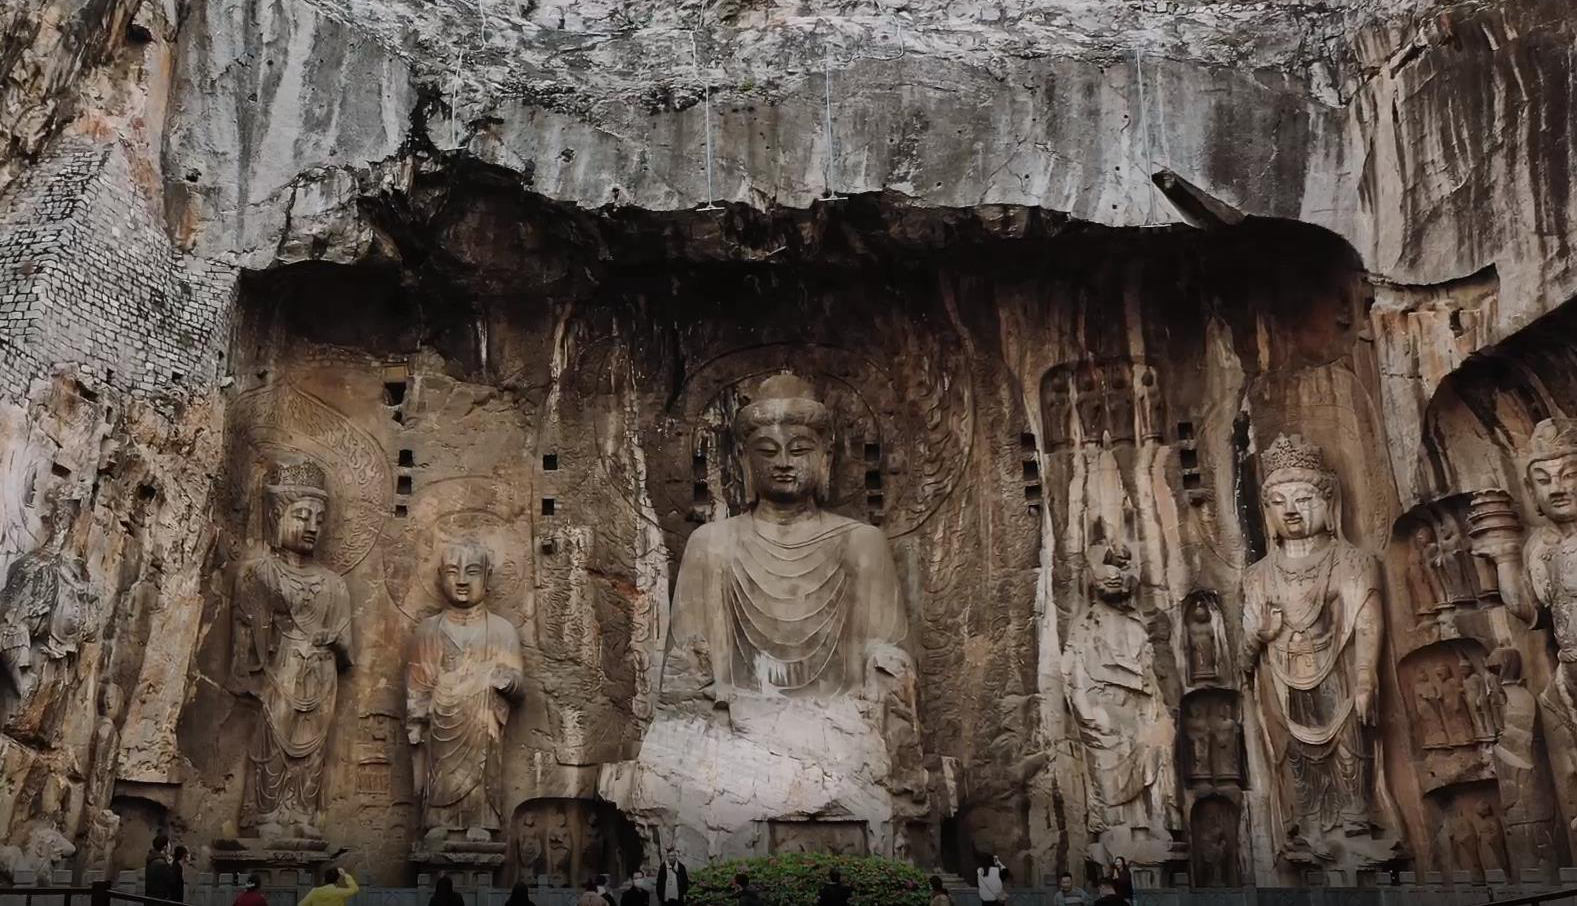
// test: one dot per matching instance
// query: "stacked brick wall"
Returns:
(88, 278)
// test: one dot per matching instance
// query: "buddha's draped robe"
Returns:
(449, 685)
(288, 608)
(792, 617)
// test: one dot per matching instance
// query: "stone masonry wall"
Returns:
(88, 277)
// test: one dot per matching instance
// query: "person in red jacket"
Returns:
(253, 894)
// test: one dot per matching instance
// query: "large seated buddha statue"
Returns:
(787, 704)
(785, 598)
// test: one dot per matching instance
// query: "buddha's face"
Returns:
(1297, 509)
(300, 524)
(1112, 583)
(463, 576)
(1554, 484)
(786, 462)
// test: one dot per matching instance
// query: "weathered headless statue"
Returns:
(293, 617)
(463, 679)
(45, 617)
(1313, 631)
(785, 599)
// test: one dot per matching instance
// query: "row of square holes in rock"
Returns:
(1188, 458)
(407, 460)
(394, 398)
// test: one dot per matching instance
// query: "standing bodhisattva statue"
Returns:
(463, 679)
(785, 598)
(294, 620)
(1312, 625)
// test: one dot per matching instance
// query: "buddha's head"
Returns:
(1299, 491)
(296, 501)
(785, 442)
(463, 570)
(1112, 579)
(1551, 470)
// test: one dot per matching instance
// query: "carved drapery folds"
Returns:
(294, 637)
(1313, 631)
(463, 678)
(1117, 705)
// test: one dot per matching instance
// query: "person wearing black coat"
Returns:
(177, 885)
(673, 881)
(158, 875)
(636, 894)
(834, 892)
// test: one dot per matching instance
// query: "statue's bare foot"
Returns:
(437, 835)
(478, 835)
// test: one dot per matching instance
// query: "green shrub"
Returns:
(795, 879)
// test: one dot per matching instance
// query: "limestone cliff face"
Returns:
(1066, 265)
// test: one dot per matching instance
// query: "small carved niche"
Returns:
(1102, 401)
(1470, 835)
(1213, 842)
(1212, 731)
(569, 840)
(1455, 708)
(1205, 640)
(840, 838)
(1440, 574)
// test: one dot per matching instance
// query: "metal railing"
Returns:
(99, 893)
(1534, 899)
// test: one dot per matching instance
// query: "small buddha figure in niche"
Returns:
(1430, 712)
(463, 679)
(786, 598)
(294, 627)
(1313, 630)
(1207, 638)
(1453, 699)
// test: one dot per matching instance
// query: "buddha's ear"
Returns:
(744, 469)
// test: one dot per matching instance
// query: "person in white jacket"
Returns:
(989, 882)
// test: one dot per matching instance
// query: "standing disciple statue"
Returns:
(1313, 630)
(294, 622)
(785, 599)
(1109, 672)
(463, 679)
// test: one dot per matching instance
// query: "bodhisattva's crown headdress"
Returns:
(294, 481)
(1552, 439)
(783, 399)
(1291, 458)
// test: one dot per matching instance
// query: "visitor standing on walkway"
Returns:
(744, 894)
(1069, 895)
(337, 887)
(157, 877)
(1122, 879)
(589, 895)
(988, 880)
(178, 863)
(444, 894)
(1108, 895)
(636, 894)
(939, 894)
(253, 894)
(834, 892)
(673, 881)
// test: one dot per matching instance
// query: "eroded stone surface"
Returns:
(477, 290)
